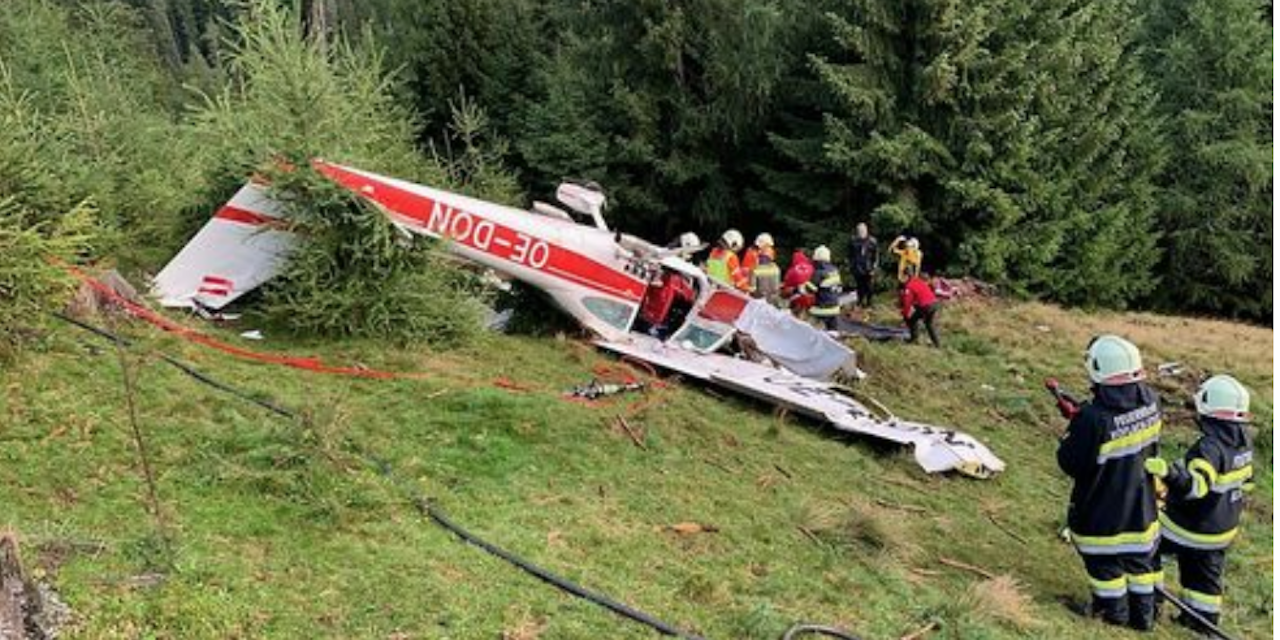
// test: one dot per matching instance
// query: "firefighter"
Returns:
(1206, 494)
(910, 258)
(1112, 516)
(825, 285)
(919, 304)
(761, 265)
(799, 273)
(723, 266)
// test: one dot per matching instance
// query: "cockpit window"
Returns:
(615, 313)
(701, 338)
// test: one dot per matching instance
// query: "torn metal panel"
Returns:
(936, 449)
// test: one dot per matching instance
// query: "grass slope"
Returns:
(280, 530)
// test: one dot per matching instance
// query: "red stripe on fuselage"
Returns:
(243, 216)
(482, 234)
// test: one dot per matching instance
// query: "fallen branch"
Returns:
(920, 633)
(901, 507)
(906, 485)
(719, 466)
(956, 564)
(999, 525)
(811, 536)
(626, 426)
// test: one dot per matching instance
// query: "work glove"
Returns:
(1157, 467)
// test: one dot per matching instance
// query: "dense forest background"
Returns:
(1095, 152)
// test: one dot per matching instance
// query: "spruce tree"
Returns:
(1212, 62)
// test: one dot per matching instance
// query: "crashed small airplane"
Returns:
(600, 277)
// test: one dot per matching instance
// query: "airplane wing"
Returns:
(936, 449)
(241, 247)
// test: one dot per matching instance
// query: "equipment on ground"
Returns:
(596, 389)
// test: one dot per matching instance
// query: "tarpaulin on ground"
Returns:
(791, 343)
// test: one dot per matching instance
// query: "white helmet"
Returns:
(764, 240)
(732, 239)
(913, 243)
(1112, 360)
(1224, 398)
(822, 254)
(690, 240)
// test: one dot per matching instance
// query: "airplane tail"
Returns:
(241, 247)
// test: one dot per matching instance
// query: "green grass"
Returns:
(280, 529)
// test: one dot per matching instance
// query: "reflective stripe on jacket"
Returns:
(1207, 492)
(826, 283)
(1113, 499)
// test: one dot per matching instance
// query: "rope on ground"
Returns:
(297, 362)
(425, 506)
(183, 367)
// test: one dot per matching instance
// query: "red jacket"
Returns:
(800, 272)
(916, 294)
(658, 300)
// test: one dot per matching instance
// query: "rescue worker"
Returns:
(919, 304)
(910, 259)
(798, 273)
(661, 295)
(1112, 516)
(1206, 494)
(688, 243)
(762, 266)
(825, 285)
(864, 258)
(723, 266)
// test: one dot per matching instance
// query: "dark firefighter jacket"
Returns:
(1113, 501)
(826, 282)
(1206, 492)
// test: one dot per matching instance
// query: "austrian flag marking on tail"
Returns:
(215, 286)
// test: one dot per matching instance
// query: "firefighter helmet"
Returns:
(822, 254)
(1223, 397)
(1112, 360)
(732, 240)
(764, 240)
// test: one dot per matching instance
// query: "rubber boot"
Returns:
(1111, 610)
(1142, 611)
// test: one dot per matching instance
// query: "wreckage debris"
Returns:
(966, 287)
(595, 389)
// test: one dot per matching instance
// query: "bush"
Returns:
(29, 282)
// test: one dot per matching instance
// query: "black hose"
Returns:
(431, 511)
(1212, 628)
(183, 367)
(816, 629)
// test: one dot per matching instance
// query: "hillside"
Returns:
(280, 528)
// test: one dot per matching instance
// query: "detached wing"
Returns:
(936, 449)
(241, 247)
